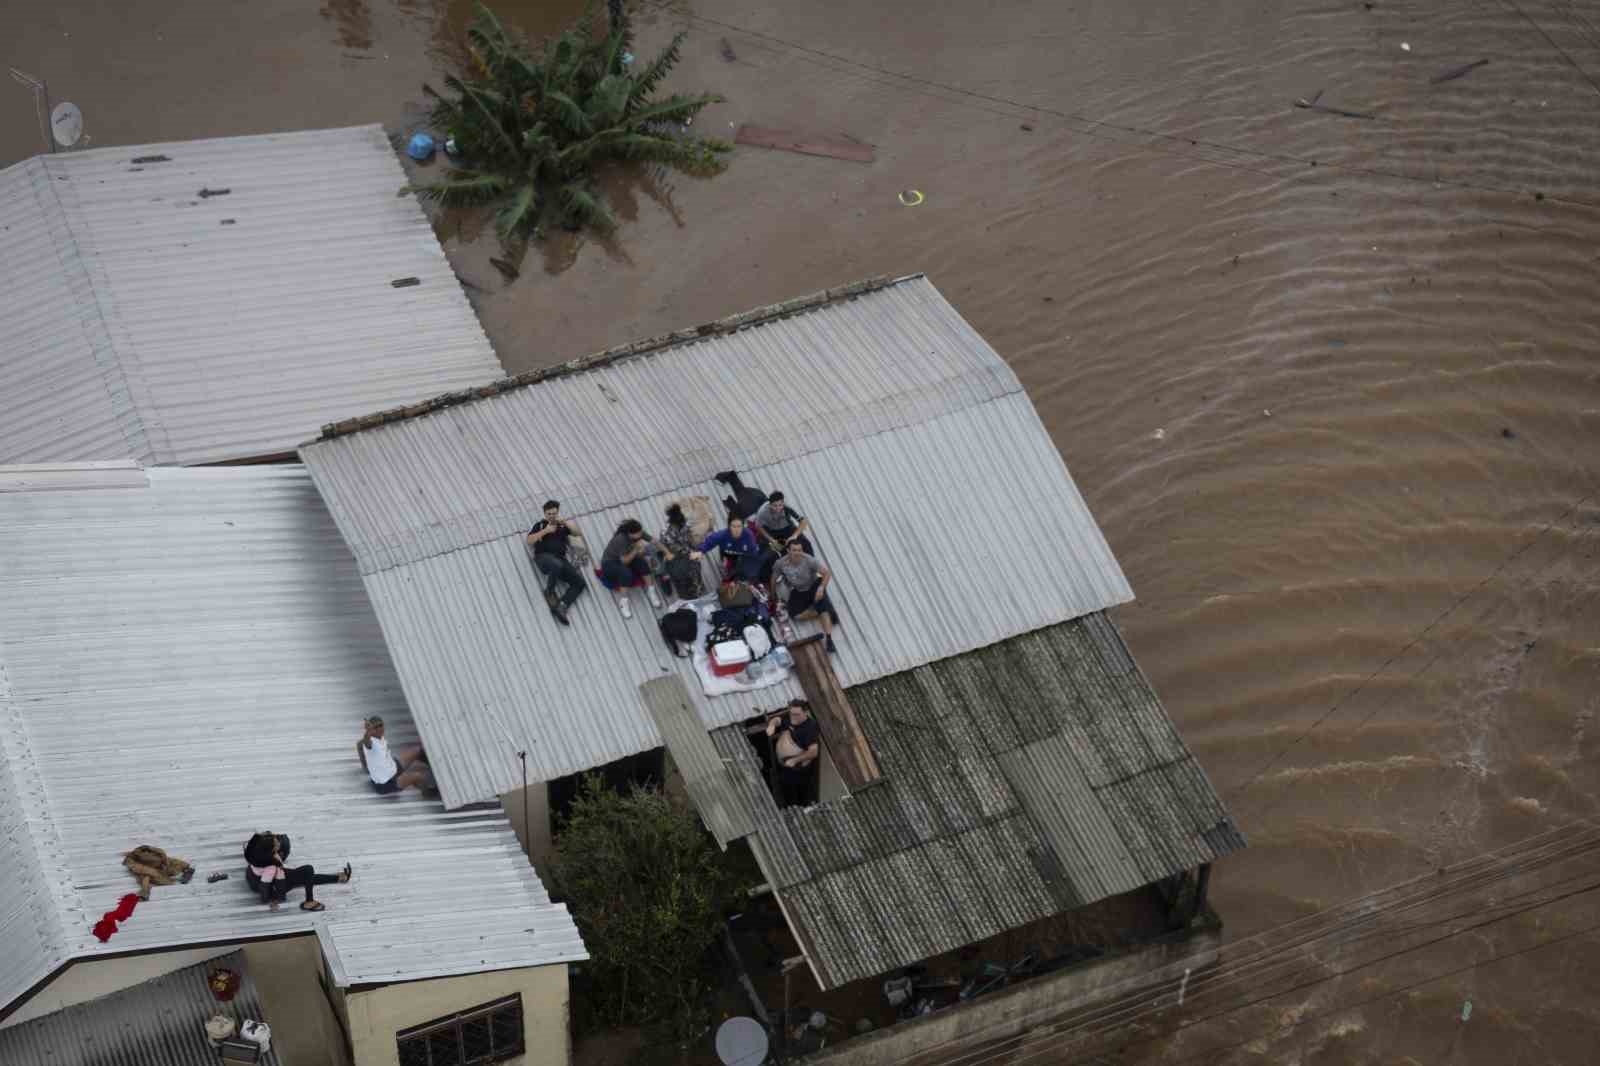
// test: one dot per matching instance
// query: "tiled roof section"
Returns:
(187, 663)
(910, 417)
(1027, 778)
(161, 1021)
(221, 299)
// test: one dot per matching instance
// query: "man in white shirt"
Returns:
(391, 771)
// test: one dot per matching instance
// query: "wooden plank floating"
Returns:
(804, 143)
(836, 718)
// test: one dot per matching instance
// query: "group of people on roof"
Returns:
(765, 543)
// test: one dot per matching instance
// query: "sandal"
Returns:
(345, 874)
(312, 905)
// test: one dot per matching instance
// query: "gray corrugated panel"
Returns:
(710, 781)
(161, 1022)
(902, 397)
(211, 633)
(146, 320)
(373, 950)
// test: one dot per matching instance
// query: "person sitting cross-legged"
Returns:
(807, 580)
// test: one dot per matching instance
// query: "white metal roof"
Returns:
(376, 949)
(188, 662)
(207, 300)
(878, 410)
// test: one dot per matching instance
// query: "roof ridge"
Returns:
(759, 316)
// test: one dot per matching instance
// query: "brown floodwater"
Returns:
(1330, 384)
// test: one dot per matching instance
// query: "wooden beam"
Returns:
(804, 143)
(841, 730)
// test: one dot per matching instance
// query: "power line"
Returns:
(1094, 127)
(1334, 928)
(1564, 54)
(1086, 1028)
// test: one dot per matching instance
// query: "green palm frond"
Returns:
(580, 205)
(571, 115)
(645, 82)
(461, 188)
(674, 109)
(520, 214)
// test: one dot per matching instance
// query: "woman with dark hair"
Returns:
(266, 875)
(623, 564)
(682, 575)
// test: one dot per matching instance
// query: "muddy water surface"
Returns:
(1329, 383)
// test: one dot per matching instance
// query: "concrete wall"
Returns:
(1032, 1003)
(539, 845)
(84, 981)
(830, 786)
(304, 1031)
(376, 1015)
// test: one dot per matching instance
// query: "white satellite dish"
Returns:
(66, 124)
(741, 1042)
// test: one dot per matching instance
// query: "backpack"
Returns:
(679, 626)
(735, 594)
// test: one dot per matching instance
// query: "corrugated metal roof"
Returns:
(908, 417)
(222, 302)
(378, 949)
(161, 1022)
(1021, 780)
(185, 664)
(706, 775)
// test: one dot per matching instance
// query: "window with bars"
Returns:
(490, 1033)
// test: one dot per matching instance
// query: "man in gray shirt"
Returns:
(807, 580)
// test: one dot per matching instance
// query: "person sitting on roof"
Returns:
(550, 539)
(680, 571)
(391, 770)
(807, 580)
(741, 553)
(623, 564)
(264, 855)
(797, 747)
(777, 524)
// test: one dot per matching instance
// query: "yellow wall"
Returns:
(378, 1014)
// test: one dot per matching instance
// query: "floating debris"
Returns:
(1458, 72)
(206, 194)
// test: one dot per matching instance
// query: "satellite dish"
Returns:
(741, 1042)
(66, 124)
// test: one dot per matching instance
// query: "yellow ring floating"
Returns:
(911, 197)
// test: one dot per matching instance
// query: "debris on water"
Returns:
(1457, 72)
(911, 197)
(153, 159)
(1508, 433)
(228, 221)
(1266, 412)
(1336, 343)
(405, 283)
(1313, 105)
(420, 147)
(727, 51)
(1026, 128)
(509, 270)
(1404, 47)
(1466, 1010)
(206, 194)
(1160, 434)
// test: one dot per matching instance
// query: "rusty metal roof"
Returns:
(1021, 780)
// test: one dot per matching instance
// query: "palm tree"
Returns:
(531, 129)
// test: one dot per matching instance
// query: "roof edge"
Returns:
(759, 316)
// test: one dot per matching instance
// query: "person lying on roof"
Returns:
(623, 564)
(393, 770)
(550, 538)
(807, 580)
(740, 550)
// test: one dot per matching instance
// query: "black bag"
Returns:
(680, 625)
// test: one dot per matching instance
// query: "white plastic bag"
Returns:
(758, 640)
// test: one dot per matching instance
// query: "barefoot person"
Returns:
(391, 770)
(264, 855)
(807, 580)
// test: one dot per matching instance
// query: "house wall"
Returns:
(539, 846)
(304, 1031)
(1030, 1004)
(830, 786)
(377, 1014)
(83, 981)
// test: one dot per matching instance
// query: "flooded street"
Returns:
(1330, 384)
